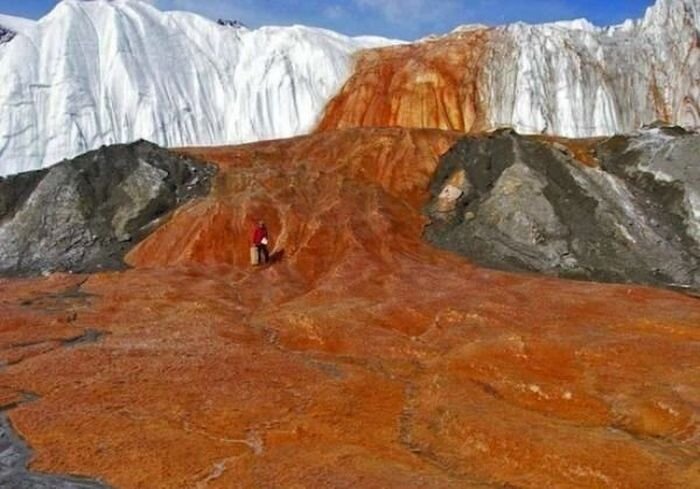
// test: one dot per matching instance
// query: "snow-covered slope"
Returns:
(101, 72)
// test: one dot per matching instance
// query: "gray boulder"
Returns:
(525, 204)
(85, 214)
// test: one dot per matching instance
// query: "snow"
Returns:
(576, 25)
(102, 72)
(17, 24)
(577, 80)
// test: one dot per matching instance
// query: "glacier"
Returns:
(568, 78)
(577, 80)
(101, 72)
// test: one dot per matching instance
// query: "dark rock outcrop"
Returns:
(528, 204)
(85, 214)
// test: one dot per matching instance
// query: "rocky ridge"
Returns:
(519, 203)
(85, 214)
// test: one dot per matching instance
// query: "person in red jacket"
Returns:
(260, 241)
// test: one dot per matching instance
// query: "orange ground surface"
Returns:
(364, 358)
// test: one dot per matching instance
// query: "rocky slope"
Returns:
(85, 214)
(630, 214)
(569, 78)
(105, 72)
(364, 358)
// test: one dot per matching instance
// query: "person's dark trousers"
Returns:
(263, 254)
